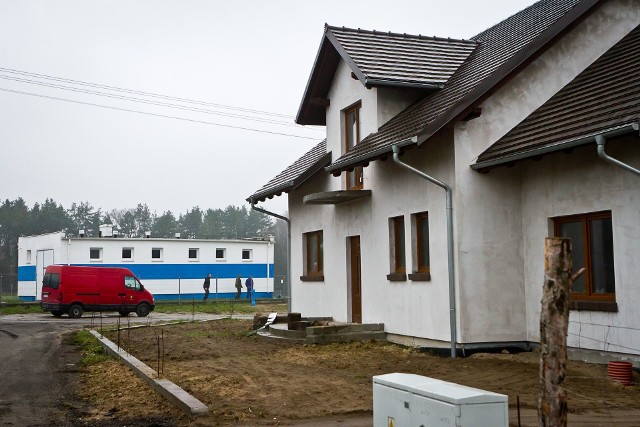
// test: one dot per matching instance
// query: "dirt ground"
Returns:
(251, 380)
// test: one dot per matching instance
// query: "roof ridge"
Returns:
(405, 35)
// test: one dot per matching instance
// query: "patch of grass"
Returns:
(91, 350)
(18, 307)
(218, 307)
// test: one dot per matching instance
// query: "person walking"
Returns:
(249, 285)
(238, 286)
(206, 285)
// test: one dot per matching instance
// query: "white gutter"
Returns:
(601, 140)
(288, 221)
(449, 206)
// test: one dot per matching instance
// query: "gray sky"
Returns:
(253, 55)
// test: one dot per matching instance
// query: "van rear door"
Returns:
(51, 288)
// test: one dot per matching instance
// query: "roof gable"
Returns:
(605, 97)
(502, 50)
(380, 59)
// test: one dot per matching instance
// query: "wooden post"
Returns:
(554, 324)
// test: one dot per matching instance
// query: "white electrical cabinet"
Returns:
(409, 400)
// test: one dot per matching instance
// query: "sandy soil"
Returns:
(250, 380)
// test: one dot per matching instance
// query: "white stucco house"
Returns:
(506, 123)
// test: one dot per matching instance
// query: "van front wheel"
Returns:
(75, 311)
(143, 310)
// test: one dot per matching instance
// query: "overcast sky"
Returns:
(252, 55)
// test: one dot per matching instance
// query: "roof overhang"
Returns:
(521, 59)
(365, 158)
(621, 129)
(285, 187)
(335, 197)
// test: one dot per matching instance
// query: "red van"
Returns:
(74, 290)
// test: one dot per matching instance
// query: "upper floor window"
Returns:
(95, 254)
(28, 256)
(221, 254)
(194, 254)
(247, 254)
(127, 254)
(351, 120)
(592, 248)
(156, 254)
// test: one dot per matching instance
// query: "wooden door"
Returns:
(356, 282)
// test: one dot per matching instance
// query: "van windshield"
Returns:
(131, 283)
(51, 280)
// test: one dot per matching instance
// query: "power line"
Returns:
(137, 92)
(157, 115)
(148, 102)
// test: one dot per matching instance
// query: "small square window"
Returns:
(95, 254)
(127, 254)
(156, 254)
(221, 254)
(247, 254)
(194, 254)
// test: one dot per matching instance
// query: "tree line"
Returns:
(232, 222)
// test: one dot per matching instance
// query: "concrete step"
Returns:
(346, 328)
(347, 337)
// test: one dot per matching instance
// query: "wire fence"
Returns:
(8, 286)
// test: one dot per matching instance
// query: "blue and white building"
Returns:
(169, 268)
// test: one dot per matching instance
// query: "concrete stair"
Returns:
(334, 332)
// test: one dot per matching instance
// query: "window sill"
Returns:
(312, 278)
(607, 306)
(420, 277)
(397, 277)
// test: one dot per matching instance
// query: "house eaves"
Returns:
(503, 50)
(380, 59)
(294, 175)
(604, 99)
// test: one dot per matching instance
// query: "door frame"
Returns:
(354, 279)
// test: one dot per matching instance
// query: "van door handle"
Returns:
(121, 295)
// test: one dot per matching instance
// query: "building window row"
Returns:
(95, 254)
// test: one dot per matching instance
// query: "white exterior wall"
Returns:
(549, 190)
(496, 300)
(174, 274)
(417, 309)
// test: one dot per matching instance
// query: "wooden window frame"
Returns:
(588, 300)
(420, 272)
(397, 249)
(349, 145)
(311, 272)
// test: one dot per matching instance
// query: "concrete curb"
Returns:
(170, 391)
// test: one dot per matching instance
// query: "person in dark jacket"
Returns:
(249, 285)
(206, 285)
(238, 286)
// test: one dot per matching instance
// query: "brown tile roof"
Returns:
(604, 97)
(289, 179)
(380, 59)
(502, 50)
(401, 59)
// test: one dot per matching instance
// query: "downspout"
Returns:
(288, 221)
(601, 141)
(449, 207)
